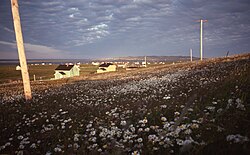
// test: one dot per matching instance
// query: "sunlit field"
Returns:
(186, 108)
(8, 73)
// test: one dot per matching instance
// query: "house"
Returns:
(65, 71)
(95, 63)
(18, 68)
(106, 67)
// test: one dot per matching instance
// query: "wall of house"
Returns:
(101, 71)
(59, 75)
(76, 71)
(111, 68)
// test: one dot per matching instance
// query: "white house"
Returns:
(106, 67)
(18, 68)
(65, 71)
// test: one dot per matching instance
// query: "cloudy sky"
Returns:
(112, 28)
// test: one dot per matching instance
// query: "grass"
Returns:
(8, 73)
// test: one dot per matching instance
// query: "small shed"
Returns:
(106, 67)
(18, 68)
(66, 71)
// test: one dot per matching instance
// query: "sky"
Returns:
(80, 29)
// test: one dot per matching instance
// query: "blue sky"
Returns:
(113, 28)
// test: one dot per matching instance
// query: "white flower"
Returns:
(166, 97)
(57, 149)
(179, 141)
(211, 108)
(89, 125)
(195, 126)
(219, 110)
(229, 103)
(33, 145)
(163, 106)
(76, 139)
(238, 100)
(76, 146)
(140, 129)
(240, 106)
(21, 146)
(99, 150)
(146, 129)
(92, 133)
(155, 148)
(188, 131)
(135, 153)
(139, 140)
(237, 138)
(166, 125)
(48, 153)
(123, 123)
(20, 137)
(163, 119)
(214, 103)
(176, 113)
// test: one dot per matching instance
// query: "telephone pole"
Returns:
(191, 54)
(20, 48)
(201, 37)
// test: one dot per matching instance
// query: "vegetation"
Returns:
(186, 108)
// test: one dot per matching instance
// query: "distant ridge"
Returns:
(149, 58)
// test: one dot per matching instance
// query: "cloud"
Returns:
(140, 25)
(36, 51)
(8, 30)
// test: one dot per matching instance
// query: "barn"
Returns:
(66, 71)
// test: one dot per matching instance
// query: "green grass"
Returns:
(8, 73)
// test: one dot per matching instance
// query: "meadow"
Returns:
(8, 73)
(186, 108)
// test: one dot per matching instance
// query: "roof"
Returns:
(105, 65)
(64, 67)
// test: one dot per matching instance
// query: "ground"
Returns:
(187, 108)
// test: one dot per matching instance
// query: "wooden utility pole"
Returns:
(201, 37)
(191, 54)
(20, 48)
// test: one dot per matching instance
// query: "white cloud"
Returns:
(142, 1)
(71, 16)
(8, 30)
(73, 9)
(98, 27)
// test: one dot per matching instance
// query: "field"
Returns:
(8, 73)
(186, 108)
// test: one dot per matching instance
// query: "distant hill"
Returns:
(149, 58)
